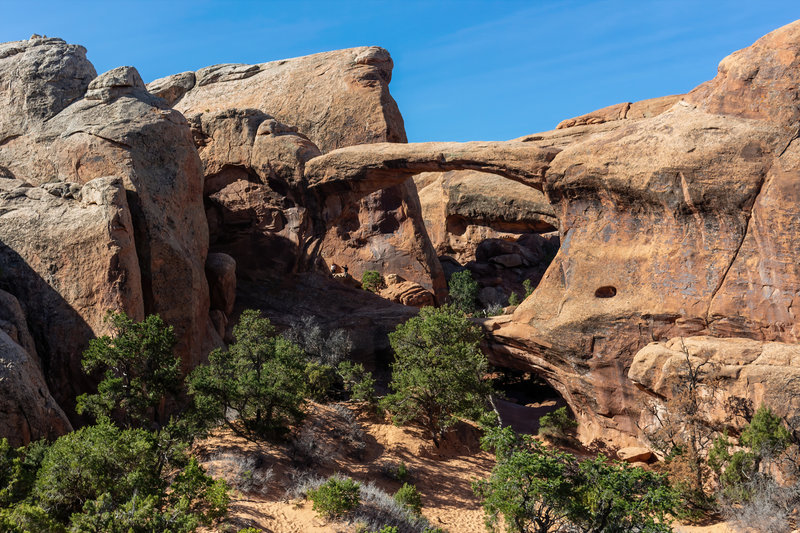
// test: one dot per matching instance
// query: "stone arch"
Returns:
(366, 168)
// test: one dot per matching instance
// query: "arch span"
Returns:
(366, 168)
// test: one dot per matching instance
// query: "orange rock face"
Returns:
(257, 202)
(675, 225)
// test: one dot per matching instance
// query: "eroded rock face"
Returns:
(745, 373)
(67, 277)
(81, 243)
(407, 293)
(490, 225)
(316, 104)
(27, 410)
(119, 129)
(665, 233)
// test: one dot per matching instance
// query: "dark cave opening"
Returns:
(524, 397)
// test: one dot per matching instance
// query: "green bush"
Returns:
(557, 423)
(335, 497)
(528, 286)
(763, 440)
(103, 478)
(463, 291)
(320, 380)
(261, 377)
(536, 488)
(372, 281)
(357, 382)
(438, 372)
(139, 367)
(513, 299)
(409, 496)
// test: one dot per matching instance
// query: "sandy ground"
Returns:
(442, 477)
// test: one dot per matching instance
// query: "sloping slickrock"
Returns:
(119, 129)
(331, 100)
(67, 277)
(27, 411)
(623, 111)
(674, 225)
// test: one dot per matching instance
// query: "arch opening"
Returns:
(528, 397)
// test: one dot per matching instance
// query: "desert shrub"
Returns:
(357, 382)
(748, 488)
(557, 423)
(536, 488)
(337, 496)
(681, 432)
(438, 371)
(379, 510)
(139, 368)
(396, 471)
(242, 472)
(409, 496)
(494, 309)
(372, 281)
(463, 291)
(260, 377)
(103, 478)
(528, 286)
(325, 347)
(348, 431)
(513, 299)
(320, 381)
(305, 446)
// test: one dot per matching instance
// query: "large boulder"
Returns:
(680, 224)
(743, 373)
(490, 225)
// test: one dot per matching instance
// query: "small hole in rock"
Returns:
(605, 292)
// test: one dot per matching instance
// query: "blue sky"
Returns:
(464, 70)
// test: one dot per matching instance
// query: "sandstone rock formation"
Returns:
(462, 209)
(626, 110)
(662, 222)
(257, 125)
(676, 217)
(749, 371)
(366, 168)
(406, 292)
(665, 233)
(491, 226)
(84, 243)
(67, 277)
(27, 411)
